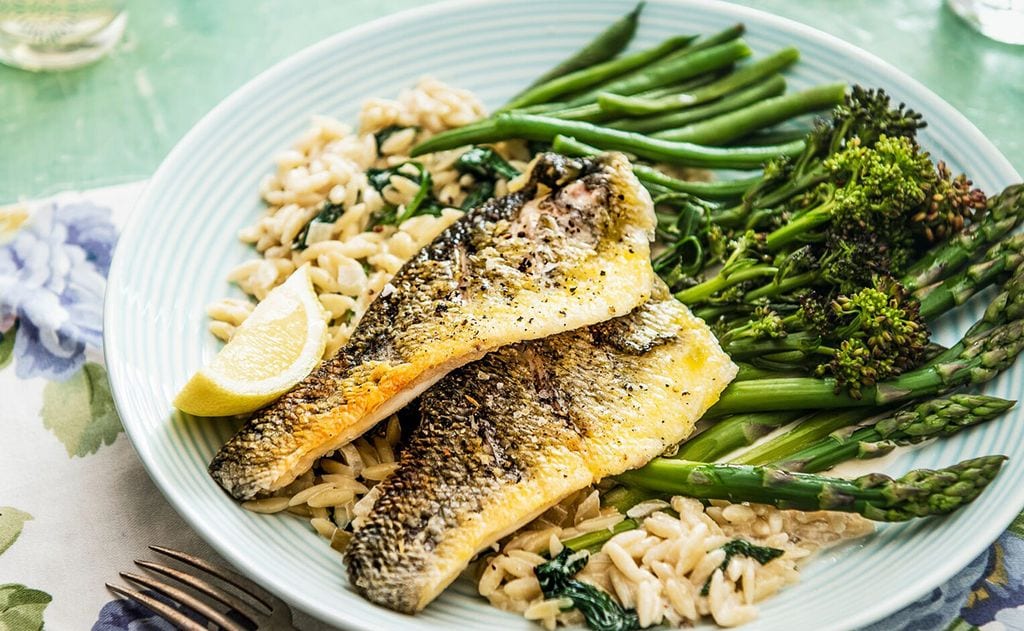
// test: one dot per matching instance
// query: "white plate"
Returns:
(181, 241)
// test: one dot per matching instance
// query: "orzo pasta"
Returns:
(671, 569)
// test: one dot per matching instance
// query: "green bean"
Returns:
(727, 34)
(569, 146)
(747, 75)
(593, 113)
(608, 43)
(758, 92)
(545, 128)
(587, 77)
(716, 189)
(721, 189)
(679, 65)
(771, 137)
(538, 108)
(690, 84)
(727, 127)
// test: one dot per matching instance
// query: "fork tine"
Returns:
(265, 598)
(186, 599)
(198, 584)
(168, 613)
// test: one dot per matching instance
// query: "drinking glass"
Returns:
(1001, 20)
(58, 34)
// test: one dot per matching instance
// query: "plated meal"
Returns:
(599, 352)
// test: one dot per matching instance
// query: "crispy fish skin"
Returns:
(570, 249)
(505, 438)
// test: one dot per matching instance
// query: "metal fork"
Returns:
(261, 609)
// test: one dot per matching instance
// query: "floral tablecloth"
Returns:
(76, 506)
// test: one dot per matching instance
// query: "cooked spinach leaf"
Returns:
(741, 547)
(486, 166)
(600, 610)
(483, 192)
(328, 214)
(484, 162)
(423, 203)
(387, 132)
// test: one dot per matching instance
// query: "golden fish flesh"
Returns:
(570, 249)
(505, 438)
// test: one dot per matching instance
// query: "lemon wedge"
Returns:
(280, 343)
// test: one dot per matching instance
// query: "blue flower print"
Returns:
(939, 607)
(999, 592)
(127, 615)
(52, 278)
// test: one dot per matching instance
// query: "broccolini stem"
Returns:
(798, 226)
(755, 199)
(802, 341)
(715, 189)
(703, 291)
(784, 286)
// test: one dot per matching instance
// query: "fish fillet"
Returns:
(505, 438)
(571, 249)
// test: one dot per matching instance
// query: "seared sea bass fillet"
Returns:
(505, 438)
(570, 249)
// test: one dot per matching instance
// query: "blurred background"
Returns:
(115, 120)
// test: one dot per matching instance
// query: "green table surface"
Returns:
(115, 121)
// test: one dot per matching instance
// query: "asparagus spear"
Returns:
(749, 371)
(937, 417)
(623, 498)
(814, 428)
(1007, 306)
(592, 541)
(1005, 256)
(978, 358)
(919, 493)
(733, 432)
(1005, 212)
